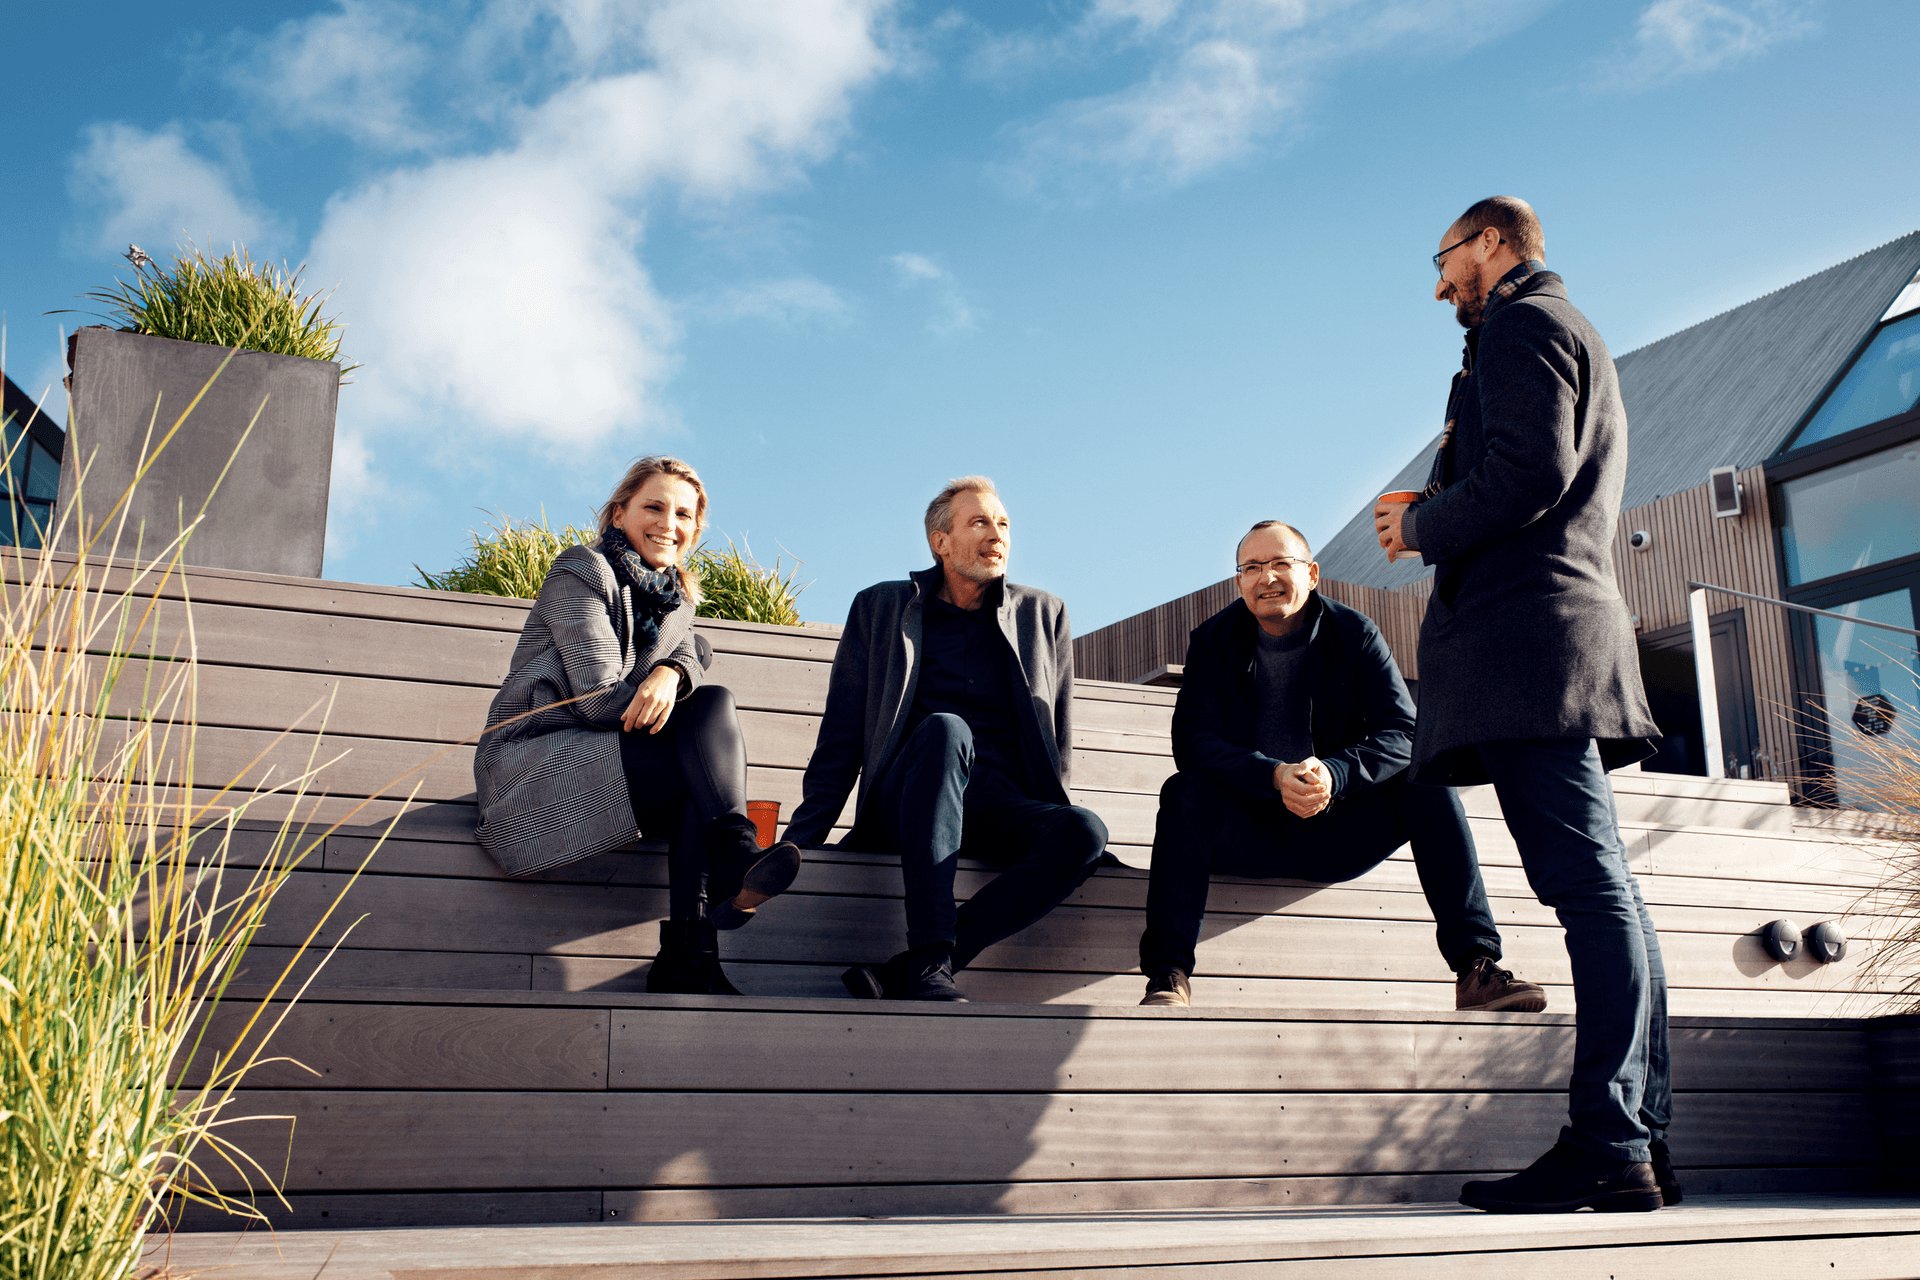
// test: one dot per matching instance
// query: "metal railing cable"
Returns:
(1703, 659)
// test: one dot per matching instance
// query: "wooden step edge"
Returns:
(929, 1245)
(983, 1009)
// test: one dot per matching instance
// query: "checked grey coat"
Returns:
(552, 790)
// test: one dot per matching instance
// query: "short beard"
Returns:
(1471, 303)
(974, 571)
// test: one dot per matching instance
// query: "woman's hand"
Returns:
(654, 703)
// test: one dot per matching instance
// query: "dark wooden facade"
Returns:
(1689, 544)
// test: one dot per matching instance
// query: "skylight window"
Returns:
(1883, 383)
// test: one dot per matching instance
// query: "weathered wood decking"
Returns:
(1717, 1238)
(486, 1053)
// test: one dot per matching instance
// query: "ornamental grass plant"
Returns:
(228, 301)
(513, 556)
(1886, 776)
(123, 920)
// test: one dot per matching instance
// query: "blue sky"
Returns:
(1158, 267)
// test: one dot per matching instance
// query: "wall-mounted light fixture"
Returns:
(1826, 942)
(1781, 939)
(1724, 487)
(1640, 540)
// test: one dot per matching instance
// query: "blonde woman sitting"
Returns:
(604, 725)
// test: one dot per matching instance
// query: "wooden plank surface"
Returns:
(679, 1204)
(365, 1046)
(1732, 1237)
(454, 1141)
(619, 920)
(690, 1049)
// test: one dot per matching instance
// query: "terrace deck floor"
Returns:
(1841, 1237)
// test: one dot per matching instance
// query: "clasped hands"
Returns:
(1305, 788)
(654, 702)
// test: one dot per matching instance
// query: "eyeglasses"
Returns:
(1280, 564)
(1455, 245)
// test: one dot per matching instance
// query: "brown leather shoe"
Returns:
(1488, 987)
(1167, 988)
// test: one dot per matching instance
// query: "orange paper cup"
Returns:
(1401, 495)
(765, 815)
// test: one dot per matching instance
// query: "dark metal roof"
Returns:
(1725, 392)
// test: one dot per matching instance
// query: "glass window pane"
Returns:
(19, 448)
(43, 480)
(36, 522)
(1869, 694)
(1884, 381)
(1847, 517)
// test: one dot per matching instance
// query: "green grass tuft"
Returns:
(229, 301)
(513, 556)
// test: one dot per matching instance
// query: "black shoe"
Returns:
(1663, 1174)
(923, 973)
(688, 963)
(1167, 988)
(1565, 1179)
(768, 878)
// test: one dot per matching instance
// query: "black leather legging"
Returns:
(682, 778)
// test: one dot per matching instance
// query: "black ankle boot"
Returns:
(741, 874)
(689, 961)
(1566, 1179)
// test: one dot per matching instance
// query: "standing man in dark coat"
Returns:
(951, 700)
(1530, 680)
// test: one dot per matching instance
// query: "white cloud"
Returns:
(953, 314)
(1678, 38)
(1224, 76)
(351, 71)
(788, 301)
(506, 291)
(133, 186)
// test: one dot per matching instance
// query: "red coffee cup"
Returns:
(1401, 495)
(766, 816)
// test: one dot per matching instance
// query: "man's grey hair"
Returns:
(940, 510)
(1299, 537)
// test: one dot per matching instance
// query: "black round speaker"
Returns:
(1826, 942)
(1782, 940)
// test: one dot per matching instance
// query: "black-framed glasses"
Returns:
(1455, 245)
(1279, 564)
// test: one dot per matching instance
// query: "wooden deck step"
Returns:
(1706, 1238)
(458, 1107)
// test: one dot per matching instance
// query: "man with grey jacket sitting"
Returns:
(951, 701)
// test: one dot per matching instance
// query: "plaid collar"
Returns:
(1510, 284)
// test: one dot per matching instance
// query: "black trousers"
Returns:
(680, 779)
(929, 808)
(1203, 828)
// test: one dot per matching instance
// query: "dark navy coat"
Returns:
(1358, 709)
(1526, 635)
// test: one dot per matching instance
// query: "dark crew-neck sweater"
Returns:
(1280, 692)
(966, 669)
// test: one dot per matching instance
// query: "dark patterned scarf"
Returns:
(1441, 474)
(656, 592)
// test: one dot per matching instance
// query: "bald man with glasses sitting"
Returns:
(1292, 735)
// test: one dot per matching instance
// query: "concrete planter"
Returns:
(270, 514)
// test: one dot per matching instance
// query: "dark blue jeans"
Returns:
(1559, 807)
(1204, 828)
(924, 809)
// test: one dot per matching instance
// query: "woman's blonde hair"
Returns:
(656, 465)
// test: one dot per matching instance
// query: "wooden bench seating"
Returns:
(1323, 1062)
